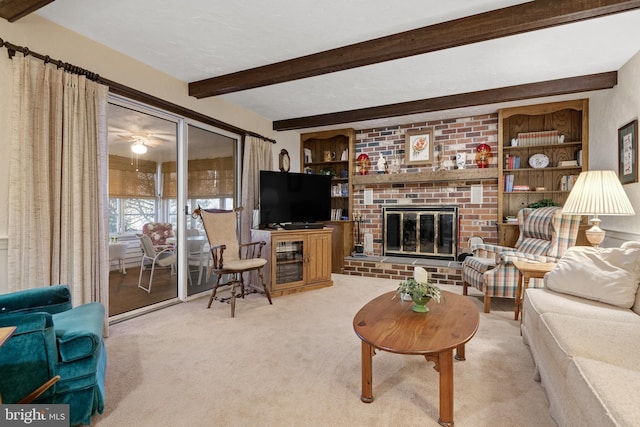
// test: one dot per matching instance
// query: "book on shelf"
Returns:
(567, 182)
(567, 163)
(512, 162)
(521, 188)
(526, 139)
(508, 183)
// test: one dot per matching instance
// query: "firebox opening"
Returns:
(421, 231)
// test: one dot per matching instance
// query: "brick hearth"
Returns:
(400, 268)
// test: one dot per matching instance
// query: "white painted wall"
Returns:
(608, 111)
(47, 38)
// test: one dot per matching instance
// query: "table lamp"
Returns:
(597, 193)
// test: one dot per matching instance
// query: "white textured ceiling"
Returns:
(198, 39)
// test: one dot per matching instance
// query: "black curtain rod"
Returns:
(126, 91)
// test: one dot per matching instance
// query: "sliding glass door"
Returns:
(161, 167)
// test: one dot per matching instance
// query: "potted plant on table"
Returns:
(420, 292)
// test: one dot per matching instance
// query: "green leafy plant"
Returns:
(328, 172)
(543, 204)
(416, 290)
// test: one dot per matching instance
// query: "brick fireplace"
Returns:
(476, 200)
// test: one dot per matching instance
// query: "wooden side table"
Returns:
(528, 270)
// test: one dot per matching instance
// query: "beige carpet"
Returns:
(297, 363)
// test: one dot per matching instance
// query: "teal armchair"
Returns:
(53, 338)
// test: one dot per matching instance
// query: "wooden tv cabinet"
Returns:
(297, 260)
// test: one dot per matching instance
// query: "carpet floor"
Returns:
(297, 363)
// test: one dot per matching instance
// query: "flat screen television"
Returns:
(287, 197)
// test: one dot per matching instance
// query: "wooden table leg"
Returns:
(367, 389)
(446, 388)
(460, 353)
(518, 294)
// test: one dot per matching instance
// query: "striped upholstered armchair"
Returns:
(545, 235)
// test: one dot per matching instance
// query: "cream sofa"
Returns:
(583, 330)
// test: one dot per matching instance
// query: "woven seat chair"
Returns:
(545, 235)
(231, 258)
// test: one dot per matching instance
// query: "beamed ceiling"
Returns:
(365, 63)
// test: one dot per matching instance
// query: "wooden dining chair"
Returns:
(230, 257)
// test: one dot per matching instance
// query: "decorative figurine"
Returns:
(439, 155)
(483, 155)
(395, 163)
(364, 164)
(382, 165)
(461, 159)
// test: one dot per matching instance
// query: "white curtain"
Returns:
(58, 217)
(257, 157)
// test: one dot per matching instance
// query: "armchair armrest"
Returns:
(508, 256)
(49, 299)
(488, 250)
(79, 331)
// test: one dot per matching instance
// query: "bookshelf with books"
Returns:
(542, 149)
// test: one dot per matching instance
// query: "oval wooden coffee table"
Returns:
(390, 325)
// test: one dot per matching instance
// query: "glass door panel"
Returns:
(211, 183)
(289, 261)
(142, 148)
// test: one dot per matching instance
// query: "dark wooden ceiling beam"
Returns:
(470, 99)
(12, 10)
(509, 21)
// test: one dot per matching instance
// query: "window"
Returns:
(128, 215)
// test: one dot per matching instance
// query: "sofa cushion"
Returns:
(635, 245)
(566, 336)
(607, 275)
(538, 301)
(608, 394)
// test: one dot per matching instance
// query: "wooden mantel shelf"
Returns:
(429, 176)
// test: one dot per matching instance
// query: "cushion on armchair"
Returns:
(159, 232)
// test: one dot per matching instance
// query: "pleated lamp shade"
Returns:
(597, 193)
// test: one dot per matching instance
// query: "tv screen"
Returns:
(294, 197)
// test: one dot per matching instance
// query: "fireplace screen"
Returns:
(421, 232)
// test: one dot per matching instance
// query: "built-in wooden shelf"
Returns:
(428, 176)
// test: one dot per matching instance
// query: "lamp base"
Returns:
(595, 235)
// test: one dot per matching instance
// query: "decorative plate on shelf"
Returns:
(538, 161)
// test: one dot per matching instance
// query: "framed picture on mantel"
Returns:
(628, 152)
(419, 147)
